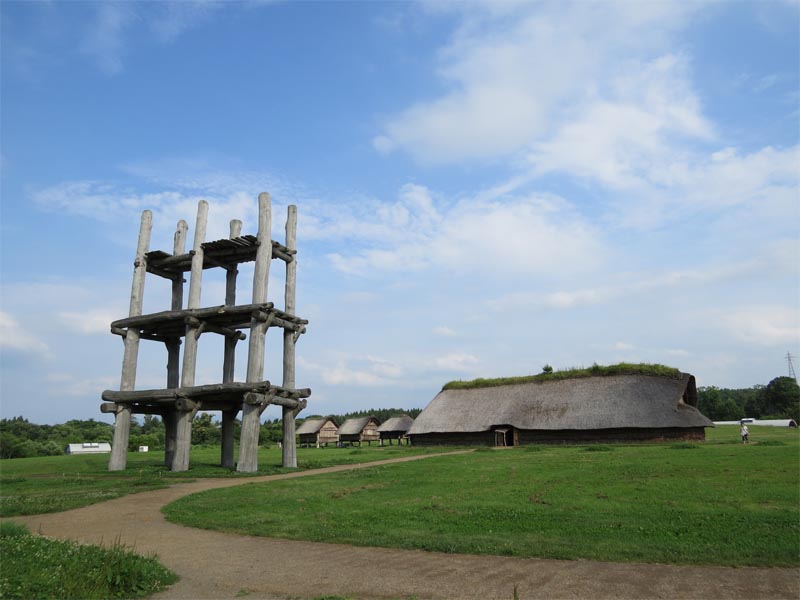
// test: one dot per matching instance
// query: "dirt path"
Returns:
(220, 565)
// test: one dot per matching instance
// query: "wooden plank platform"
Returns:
(225, 253)
(171, 324)
(218, 396)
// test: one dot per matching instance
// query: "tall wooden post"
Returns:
(122, 424)
(187, 410)
(174, 350)
(289, 414)
(251, 413)
(229, 416)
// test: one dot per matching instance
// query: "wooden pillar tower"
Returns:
(179, 402)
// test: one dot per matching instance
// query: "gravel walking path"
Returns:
(220, 565)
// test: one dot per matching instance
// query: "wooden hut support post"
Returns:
(185, 413)
(170, 416)
(122, 422)
(289, 450)
(251, 413)
(174, 350)
(228, 363)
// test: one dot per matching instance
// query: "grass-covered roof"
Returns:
(574, 373)
(616, 397)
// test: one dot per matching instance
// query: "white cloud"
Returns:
(99, 200)
(88, 322)
(444, 331)
(623, 138)
(368, 371)
(768, 325)
(110, 203)
(679, 352)
(496, 231)
(173, 18)
(510, 73)
(530, 234)
(384, 367)
(461, 362)
(103, 41)
(628, 286)
(110, 32)
(68, 384)
(748, 193)
(15, 337)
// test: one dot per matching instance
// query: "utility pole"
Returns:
(789, 358)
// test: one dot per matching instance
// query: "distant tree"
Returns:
(382, 414)
(781, 398)
(205, 431)
(271, 432)
(547, 369)
(728, 410)
(10, 445)
(708, 400)
(152, 424)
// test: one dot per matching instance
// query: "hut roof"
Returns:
(401, 423)
(313, 425)
(356, 425)
(607, 402)
(574, 373)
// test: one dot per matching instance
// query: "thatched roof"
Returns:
(356, 425)
(609, 402)
(401, 423)
(313, 425)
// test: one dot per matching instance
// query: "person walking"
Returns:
(745, 433)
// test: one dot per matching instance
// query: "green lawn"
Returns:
(55, 483)
(716, 502)
(37, 567)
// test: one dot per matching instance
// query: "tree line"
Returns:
(20, 438)
(779, 399)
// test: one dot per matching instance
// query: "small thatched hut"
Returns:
(361, 429)
(594, 408)
(395, 429)
(318, 432)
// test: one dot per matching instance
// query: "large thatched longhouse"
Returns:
(592, 408)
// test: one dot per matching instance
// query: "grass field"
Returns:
(37, 567)
(54, 483)
(716, 502)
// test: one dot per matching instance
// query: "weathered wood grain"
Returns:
(251, 415)
(122, 423)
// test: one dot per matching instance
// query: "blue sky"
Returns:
(483, 188)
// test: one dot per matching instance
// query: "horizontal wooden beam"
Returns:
(122, 331)
(279, 318)
(226, 331)
(227, 394)
(164, 273)
(214, 312)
